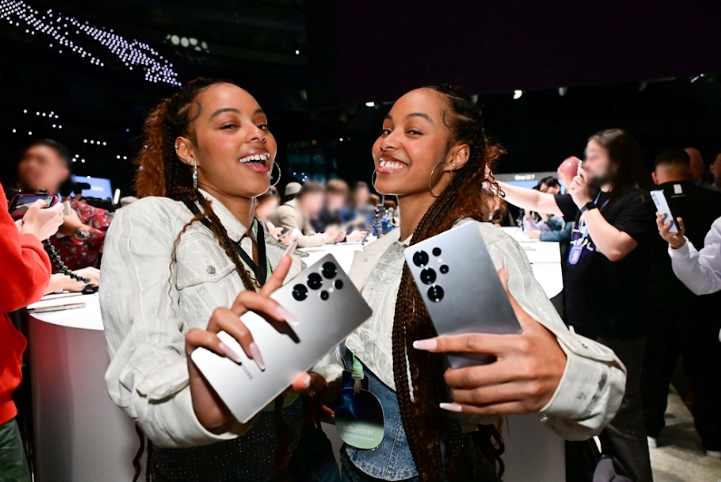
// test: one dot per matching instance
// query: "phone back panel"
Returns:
(461, 289)
(324, 321)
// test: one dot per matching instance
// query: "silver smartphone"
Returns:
(461, 289)
(659, 199)
(328, 308)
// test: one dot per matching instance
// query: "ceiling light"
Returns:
(517, 94)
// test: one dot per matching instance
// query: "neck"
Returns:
(240, 207)
(413, 207)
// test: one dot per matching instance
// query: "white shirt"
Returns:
(700, 271)
(150, 300)
(593, 383)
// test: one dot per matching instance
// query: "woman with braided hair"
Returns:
(182, 264)
(433, 154)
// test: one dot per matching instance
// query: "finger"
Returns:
(466, 343)
(681, 226)
(526, 391)
(508, 408)
(280, 271)
(227, 321)
(327, 411)
(261, 304)
(39, 204)
(301, 383)
(196, 338)
(502, 371)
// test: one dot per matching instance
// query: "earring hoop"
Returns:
(430, 179)
(195, 174)
(374, 177)
(280, 174)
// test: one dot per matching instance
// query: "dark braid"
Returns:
(426, 425)
(162, 173)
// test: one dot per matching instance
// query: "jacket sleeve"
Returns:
(148, 373)
(593, 383)
(25, 265)
(700, 271)
(286, 218)
(558, 236)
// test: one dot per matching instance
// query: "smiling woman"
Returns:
(186, 262)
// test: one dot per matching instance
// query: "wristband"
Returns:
(588, 206)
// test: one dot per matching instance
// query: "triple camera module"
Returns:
(428, 274)
(315, 282)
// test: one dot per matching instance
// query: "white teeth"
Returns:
(256, 157)
(391, 165)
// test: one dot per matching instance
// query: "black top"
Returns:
(605, 298)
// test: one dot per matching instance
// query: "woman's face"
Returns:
(413, 141)
(265, 210)
(234, 149)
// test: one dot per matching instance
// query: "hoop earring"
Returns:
(280, 174)
(374, 176)
(430, 179)
(195, 174)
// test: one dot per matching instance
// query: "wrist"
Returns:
(677, 244)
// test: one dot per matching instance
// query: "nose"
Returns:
(387, 143)
(258, 135)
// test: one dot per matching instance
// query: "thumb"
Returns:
(682, 227)
(280, 272)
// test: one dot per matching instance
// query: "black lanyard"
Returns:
(260, 270)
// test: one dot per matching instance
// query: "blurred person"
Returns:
(46, 165)
(361, 195)
(432, 153)
(26, 272)
(265, 207)
(336, 213)
(177, 259)
(607, 269)
(291, 190)
(298, 212)
(548, 228)
(684, 324)
(699, 173)
(715, 169)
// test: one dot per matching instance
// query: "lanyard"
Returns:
(261, 269)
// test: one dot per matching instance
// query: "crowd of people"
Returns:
(210, 238)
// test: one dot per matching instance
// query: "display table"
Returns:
(81, 435)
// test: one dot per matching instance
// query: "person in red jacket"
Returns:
(25, 269)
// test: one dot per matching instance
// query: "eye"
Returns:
(414, 132)
(264, 127)
(385, 132)
(229, 126)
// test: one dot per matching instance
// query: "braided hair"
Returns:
(425, 424)
(162, 173)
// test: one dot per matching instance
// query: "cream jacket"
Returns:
(288, 216)
(593, 383)
(150, 300)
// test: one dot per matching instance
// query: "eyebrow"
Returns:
(410, 116)
(225, 109)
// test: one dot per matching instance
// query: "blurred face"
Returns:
(697, 166)
(716, 170)
(551, 190)
(414, 140)
(361, 196)
(231, 143)
(265, 210)
(41, 168)
(334, 201)
(598, 165)
(311, 203)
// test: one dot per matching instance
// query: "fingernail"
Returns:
(227, 351)
(291, 247)
(257, 356)
(286, 315)
(306, 384)
(451, 407)
(429, 344)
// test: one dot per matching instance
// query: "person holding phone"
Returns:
(433, 154)
(26, 271)
(185, 262)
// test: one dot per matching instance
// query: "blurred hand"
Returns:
(71, 223)
(675, 240)
(275, 232)
(340, 236)
(356, 236)
(524, 377)
(92, 273)
(332, 232)
(42, 222)
(580, 190)
(544, 216)
(527, 214)
(535, 234)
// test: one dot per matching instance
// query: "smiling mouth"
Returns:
(255, 159)
(388, 165)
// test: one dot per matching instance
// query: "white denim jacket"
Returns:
(147, 308)
(593, 383)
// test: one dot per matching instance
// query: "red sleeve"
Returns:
(24, 265)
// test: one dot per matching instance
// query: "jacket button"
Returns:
(211, 269)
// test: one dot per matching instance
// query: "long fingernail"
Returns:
(451, 407)
(429, 344)
(257, 356)
(291, 247)
(286, 315)
(306, 383)
(227, 351)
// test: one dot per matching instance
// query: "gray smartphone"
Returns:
(461, 289)
(328, 308)
(659, 199)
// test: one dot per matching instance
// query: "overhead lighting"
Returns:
(562, 91)
(297, 52)
(517, 94)
(370, 104)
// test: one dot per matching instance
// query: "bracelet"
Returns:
(588, 206)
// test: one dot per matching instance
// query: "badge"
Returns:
(575, 253)
(358, 414)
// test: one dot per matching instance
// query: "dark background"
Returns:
(633, 65)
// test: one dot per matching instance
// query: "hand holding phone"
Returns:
(659, 199)
(42, 221)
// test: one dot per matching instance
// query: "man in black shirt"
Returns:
(607, 268)
(683, 323)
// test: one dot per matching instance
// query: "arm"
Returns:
(530, 199)
(609, 241)
(700, 271)
(558, 236)
(308, 238)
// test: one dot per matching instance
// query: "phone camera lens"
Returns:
(300, 292)
(428, 276)
(435, 293)
(314, 281)
(444, 269)
(329, 270)
(420, 258)
(338, 284)
(324, 295)
(436, 251)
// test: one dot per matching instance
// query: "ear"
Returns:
(457, 157)
(655, 177)
(184, 151)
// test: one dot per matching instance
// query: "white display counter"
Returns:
(80, 435)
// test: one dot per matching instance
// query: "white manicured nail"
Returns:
(257, 357)
(429, 344)
(451, 407)
(227, 351)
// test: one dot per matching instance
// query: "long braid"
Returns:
(162, 173)
(426, 425)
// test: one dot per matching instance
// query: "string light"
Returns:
(61, 29)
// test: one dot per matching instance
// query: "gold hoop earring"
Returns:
(430, 179)
(374, 176)
(280, 174)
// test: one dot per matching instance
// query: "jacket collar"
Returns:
(232, 226)
(384, 242)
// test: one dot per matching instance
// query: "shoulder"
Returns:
(157, 212)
